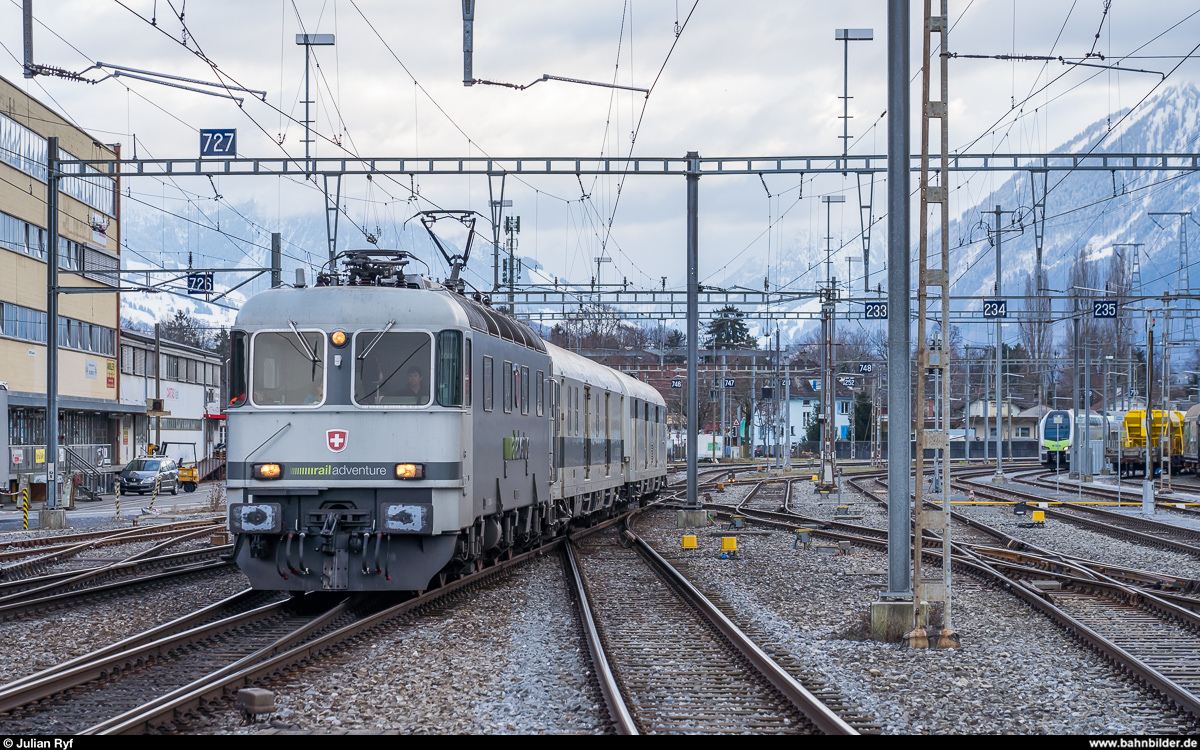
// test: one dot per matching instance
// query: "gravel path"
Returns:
(1016, 672)
(506, 659)
(33, 643)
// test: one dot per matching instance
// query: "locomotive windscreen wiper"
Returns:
(367, 350)
(312, 356)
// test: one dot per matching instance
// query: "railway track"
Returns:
(34, 556)
(1153, 635)
(154, 559)
(143, 575)
(1131, 528)
(162, 676)
(670, 661)
(1131, 495)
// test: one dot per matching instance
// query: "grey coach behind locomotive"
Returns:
(384, 436)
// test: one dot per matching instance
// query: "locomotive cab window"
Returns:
(288, 368)
(237, 368)
(392, 369)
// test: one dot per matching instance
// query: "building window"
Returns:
(176, 423)
(843, 407)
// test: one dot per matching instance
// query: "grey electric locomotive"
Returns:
(386, 432)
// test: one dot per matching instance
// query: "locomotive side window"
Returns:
(540, 393)
(508, 387)
(288, 368)
(237, 369)
(449, 368)
(391, 369)
(488, 385)
(467, 371)
(524, 389)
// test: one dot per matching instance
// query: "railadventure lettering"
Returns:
(330, 470)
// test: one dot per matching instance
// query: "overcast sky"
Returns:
(746, 78)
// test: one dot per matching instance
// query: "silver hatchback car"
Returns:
(141, 474)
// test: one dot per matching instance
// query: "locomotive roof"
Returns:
(434, 308)
(593, 373)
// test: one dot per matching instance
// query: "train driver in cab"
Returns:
(415, 391)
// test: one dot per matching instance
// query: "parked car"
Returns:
(140, 475)
(759, 452)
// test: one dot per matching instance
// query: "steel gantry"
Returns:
(898, 165)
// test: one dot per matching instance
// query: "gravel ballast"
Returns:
(507, 658)
(32, 643)
(1015, 673)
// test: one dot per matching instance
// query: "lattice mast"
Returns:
(932, 355)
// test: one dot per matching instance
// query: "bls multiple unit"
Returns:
(387, 432)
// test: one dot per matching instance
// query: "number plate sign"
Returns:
(866, 368)
(218, 142)
(847, 381)
(730, 383)
(995, 308)
(676, 383)
(875, 311)
(199, 283)
(1104, 308)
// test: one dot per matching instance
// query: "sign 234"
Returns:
(995, 308)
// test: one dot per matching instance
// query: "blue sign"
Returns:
(1104, 308)
(875, 310)
(995, 308)
(676, 383)
(866, 368)
(200, 283)
(730, 383)
(218, 142)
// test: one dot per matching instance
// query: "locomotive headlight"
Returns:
(338, 338)
(268, 471)
(410, 471)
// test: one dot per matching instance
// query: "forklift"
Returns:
(189, 472)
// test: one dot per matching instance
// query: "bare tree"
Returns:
(1037, 338)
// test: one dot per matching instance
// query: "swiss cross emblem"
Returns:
(336, 440)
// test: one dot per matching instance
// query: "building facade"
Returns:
(190, 388)
(88, 255)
